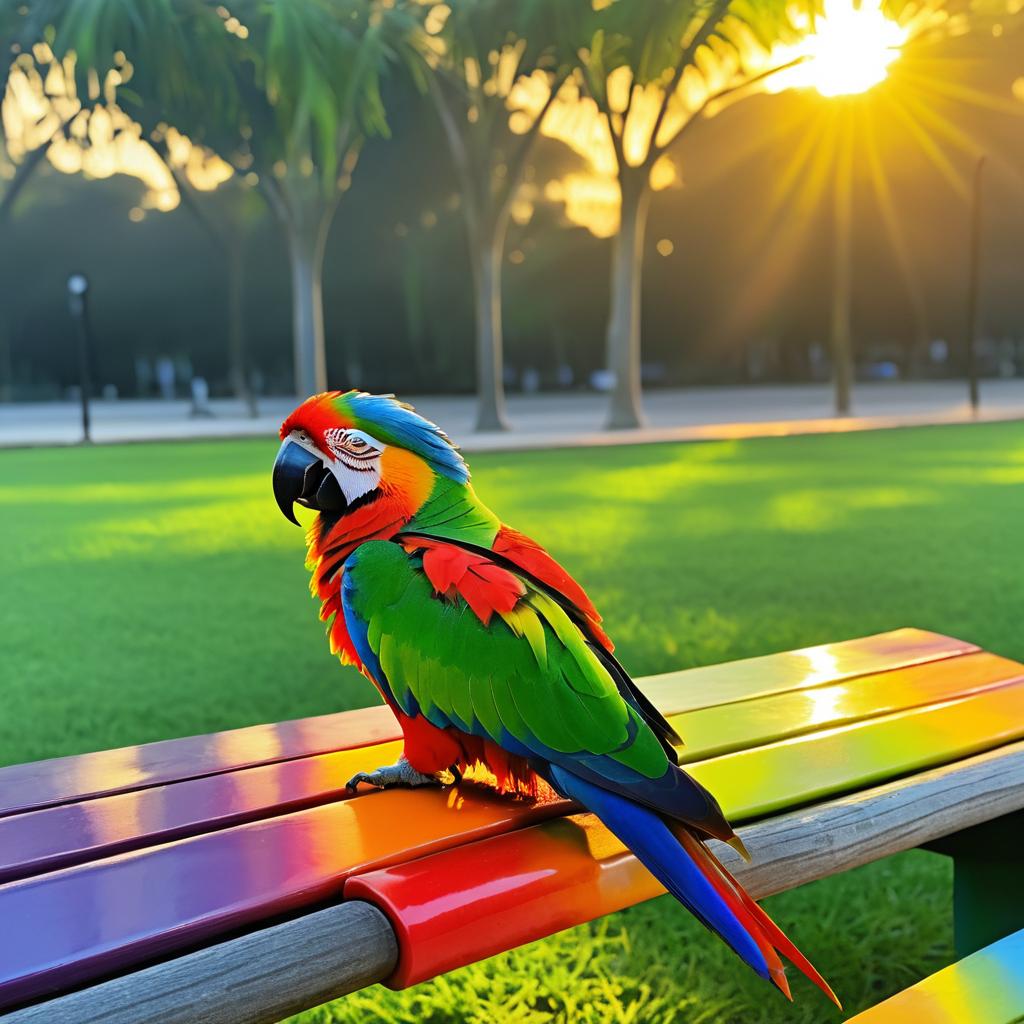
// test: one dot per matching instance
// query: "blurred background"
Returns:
(211, 182)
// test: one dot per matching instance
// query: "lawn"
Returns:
(154, 590)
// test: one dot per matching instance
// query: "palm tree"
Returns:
(653, 67)
(285, 93)
(498, 68)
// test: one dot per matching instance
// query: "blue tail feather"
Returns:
(647, 835)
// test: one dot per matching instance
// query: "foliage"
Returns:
(485, 48)
(261, 84)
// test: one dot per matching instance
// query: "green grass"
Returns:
(154, 590)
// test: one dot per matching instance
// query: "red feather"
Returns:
(487, 588)
(533, 559)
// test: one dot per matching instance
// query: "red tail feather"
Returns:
(765, 926)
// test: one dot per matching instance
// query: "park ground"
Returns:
(551, 419)
(151, 591)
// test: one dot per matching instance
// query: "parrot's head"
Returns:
(344, 450)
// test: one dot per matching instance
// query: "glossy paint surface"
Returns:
(44, 783)
(572, 870)
(71, 833)
(66, 926)
(728, 727)
(475, 901)
(65, 779)
(984, 988)
(234, 845)
(797, 670)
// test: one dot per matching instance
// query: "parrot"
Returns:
(492, 657)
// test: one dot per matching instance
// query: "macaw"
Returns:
(490, 654)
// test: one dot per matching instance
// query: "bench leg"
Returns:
(988, 881)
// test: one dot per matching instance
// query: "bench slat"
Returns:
(67, 834)
(796, 670)
(26, 787)
(71, 926)
(228, 982)
(986, 987)
(65, 779)
(732, 727)
(173, 895)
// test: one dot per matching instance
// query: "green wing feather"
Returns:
(526, 678)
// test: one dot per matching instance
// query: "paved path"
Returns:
(551, 420)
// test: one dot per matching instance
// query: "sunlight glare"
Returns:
(848, 50)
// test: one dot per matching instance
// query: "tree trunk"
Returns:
(306, 251)
(239, 363)
(488, 250)
(626, 407)
(842, 344)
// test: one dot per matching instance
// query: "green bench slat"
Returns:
(800, 669)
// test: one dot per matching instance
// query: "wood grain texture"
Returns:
(842, 834)
(256, 979)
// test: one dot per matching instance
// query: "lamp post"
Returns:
(973, 279)
(78, 289)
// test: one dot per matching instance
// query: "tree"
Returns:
(651, 68)
(285, 93)
(226, 215)
(495, 74)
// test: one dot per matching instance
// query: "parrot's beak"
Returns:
(301, 476)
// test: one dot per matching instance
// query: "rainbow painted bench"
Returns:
(232, 878)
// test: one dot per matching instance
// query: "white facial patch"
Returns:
(353, 458)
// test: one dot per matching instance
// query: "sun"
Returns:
(847, 50)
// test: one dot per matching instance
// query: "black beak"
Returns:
(300, 476)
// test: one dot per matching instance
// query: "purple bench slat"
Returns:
(67, 834)
(66, 927)
(28, 787)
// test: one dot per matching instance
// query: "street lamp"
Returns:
(974, 274)
(78, 289)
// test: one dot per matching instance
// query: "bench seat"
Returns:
(194, 852)
(985, 988)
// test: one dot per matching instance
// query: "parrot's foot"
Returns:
(401, 773)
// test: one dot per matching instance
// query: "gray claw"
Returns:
(401, 773)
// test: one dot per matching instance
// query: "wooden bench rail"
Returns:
(262, 977)
(259, 978)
